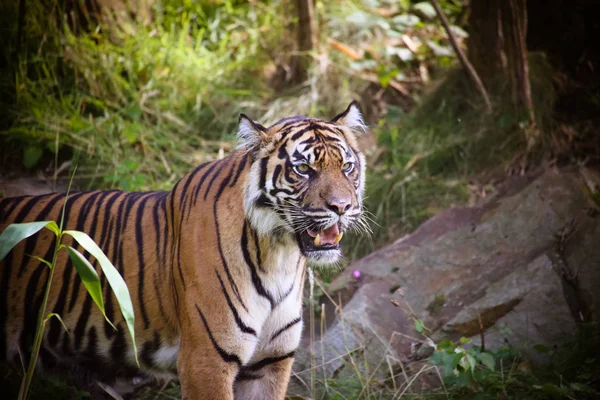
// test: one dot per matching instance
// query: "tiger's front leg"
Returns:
(206, 369)
(203, 374)
(264, 381)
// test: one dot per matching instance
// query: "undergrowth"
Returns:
(431, 158)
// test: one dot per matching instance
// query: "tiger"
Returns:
(215, 267)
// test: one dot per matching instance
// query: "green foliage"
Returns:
(157, 95)
(115, 281)
(15, 233)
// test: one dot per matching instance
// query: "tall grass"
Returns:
(128, 95)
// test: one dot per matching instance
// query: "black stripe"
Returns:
(257, 251)
(301, 132)
(165, 231)
(203, 178)
(91, 351)
(149, 349)
(184, 192)
(159, 295)
(84, 315)
(243, 327)
(118, 348)
(256, 281)
(234, 287)
(31, 241)
(240, 169)
(285, 328)
(244, 375)
(115, 231)
(222, 163)
(92, 232)
(289, 291)
(267, 361)
(263, 172)
(156, 226)
(84, 215)
(9, 205)
(225, 356)
(139, 240)
(105, 235)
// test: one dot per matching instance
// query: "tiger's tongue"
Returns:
(329, 235)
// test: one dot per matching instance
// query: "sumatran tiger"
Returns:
(215, 267)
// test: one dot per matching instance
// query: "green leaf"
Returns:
(487, 360)
(464, 340)
(31, 156)
(14, 233)
(114, 279)
(471, 360)
(59, 319)
(419, 327)
(90, 279)
(40, 259)
(445, 344)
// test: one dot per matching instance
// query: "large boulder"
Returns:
(521, 267)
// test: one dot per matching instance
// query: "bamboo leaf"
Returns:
(90, 279)
(14, 233)
(40, 259)
(50, 315)
(114, 279)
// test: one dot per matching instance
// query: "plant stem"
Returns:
(39, 332)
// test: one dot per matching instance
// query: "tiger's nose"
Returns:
(339, 206)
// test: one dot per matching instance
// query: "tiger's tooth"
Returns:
(338, 238)
(318, 240)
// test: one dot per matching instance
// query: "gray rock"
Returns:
(525, 264)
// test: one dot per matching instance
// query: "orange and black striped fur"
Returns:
(215, 267)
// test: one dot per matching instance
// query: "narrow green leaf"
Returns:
(14, 233)
(54, 228)
(59, 319)
(40, 259)
(114, 279)
(90, 279)
(487, 360)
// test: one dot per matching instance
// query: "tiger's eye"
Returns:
(347, 166)
(302, 168)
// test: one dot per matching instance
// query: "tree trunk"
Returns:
(307, 38)
(498, 50)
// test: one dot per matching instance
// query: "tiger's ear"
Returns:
(351, 118)
(251, 134)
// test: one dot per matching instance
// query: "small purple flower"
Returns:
(356, 274)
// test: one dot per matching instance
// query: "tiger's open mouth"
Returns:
(326, 239)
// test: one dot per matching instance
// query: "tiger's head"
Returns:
(306, 181)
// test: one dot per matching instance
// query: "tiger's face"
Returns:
(307, 180)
